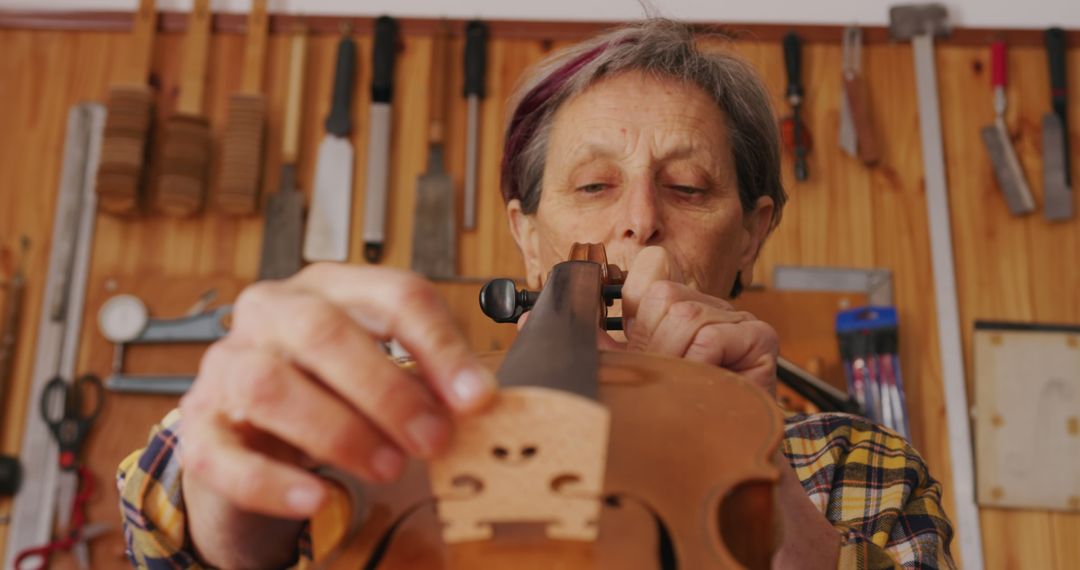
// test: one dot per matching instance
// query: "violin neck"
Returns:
(557, 346)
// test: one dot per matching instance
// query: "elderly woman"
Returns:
(638, 139)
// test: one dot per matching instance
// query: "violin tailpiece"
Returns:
(537, 456)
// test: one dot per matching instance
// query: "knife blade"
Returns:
(378, 159)
(1057, 176)
(475, 67)
(284, 222)
(1007, 169)
(327, 237)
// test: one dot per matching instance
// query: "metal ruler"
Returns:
(58, 339)
(920, 23)
(875, 283)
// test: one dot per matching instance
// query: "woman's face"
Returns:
(636, 161)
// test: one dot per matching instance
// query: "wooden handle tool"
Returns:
(130, 105)
(185, 155)
(242, 146)
(283, 230)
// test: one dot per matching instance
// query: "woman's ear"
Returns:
(756, 225)
(523, 227)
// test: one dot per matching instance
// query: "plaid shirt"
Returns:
(868, 481)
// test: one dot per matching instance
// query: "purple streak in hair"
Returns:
(526, 117)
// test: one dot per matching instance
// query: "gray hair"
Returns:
(659, 48)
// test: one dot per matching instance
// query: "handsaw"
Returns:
(1010, 175)
(434, 244)
(1057, 192)
(475, 68)
(330, 212)
(378, 159)
(858, 137)
(282, 231)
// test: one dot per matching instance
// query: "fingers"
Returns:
(399, 304)
(321, 339)
(267, 392)
(213, 454)
(650, 265)
(655, 304)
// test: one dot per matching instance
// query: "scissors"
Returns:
(76, 537)
(63, 407)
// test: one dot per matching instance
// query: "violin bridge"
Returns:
(537, 456)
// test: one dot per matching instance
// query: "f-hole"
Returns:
(666, 558)
(746, 523)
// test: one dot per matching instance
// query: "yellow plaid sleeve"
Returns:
(152, 504)
(875, 489)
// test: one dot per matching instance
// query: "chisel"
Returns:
(9, 336)
(793, 64)
(1010, 175)
(327, 235)
(434, 244)
(378, 163)
(285, 208)
(1057, 191)
(475, 68)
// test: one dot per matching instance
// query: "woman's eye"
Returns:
(689, 190)
(592, 188)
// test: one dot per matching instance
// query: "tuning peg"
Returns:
(503, 303)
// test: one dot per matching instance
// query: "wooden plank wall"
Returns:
(845, 215)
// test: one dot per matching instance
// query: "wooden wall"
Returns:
(845, 215)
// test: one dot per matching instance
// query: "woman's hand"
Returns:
(301, 380)
(665, 316)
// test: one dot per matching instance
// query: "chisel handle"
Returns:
(382, 69)
(440, 48)
(1055, 55)
(338, 122)
(998, 64)
(476, 34)
(793, 63)
(294, 94)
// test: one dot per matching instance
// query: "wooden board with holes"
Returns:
(1027, 417)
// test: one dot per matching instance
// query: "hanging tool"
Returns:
(378, 162)
(130, 102)
(12, 314)
(921, 23)
(1057, 176)
(58, 340)
(858, 137)
(242, 143)
(793, 130)
(327, 237)
(476, 34)
(64, 409)
(185, 150)
(76, 538)
(1007, 169)
(282, 229)
(434, 252)
(124, 320)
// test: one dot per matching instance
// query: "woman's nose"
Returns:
(641, 216)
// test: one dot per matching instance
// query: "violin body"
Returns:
(689, 444)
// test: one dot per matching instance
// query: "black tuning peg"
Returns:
(503, 303)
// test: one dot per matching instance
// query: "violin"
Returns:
(586, 459)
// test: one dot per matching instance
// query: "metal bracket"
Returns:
(202, 328)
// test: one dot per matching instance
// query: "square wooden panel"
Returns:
(1027, 421)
